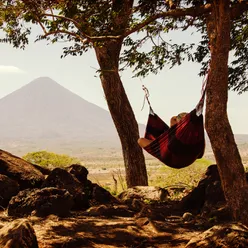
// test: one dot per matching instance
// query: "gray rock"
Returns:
(100, 196)
(20, 170)
(79, 171)
(8, 188)
(149, 193)
(62, 179)
(18, 234)
(207, 193)
(110, 211)
(188, 216)
(41, 202)
(221, 236)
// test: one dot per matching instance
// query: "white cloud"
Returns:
(10, 69)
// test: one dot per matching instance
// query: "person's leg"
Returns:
(143, 142)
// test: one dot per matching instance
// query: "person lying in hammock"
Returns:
(143, 142)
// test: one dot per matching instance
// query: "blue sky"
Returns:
(172, 91)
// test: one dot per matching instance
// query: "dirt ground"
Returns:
(80, 230)
(110, 232)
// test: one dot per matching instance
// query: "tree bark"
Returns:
(121, 112)
(227, 156)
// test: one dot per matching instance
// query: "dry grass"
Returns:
(158, 174)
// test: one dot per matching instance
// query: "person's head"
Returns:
(175, 119)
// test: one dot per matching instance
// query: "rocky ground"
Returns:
(62, 208)
(79, 230)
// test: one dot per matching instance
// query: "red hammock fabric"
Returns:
(178, 146)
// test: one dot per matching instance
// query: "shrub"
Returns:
(50, 159)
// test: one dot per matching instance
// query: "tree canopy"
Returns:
(90, 23)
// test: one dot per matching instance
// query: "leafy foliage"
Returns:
(90, 23)
(145, 62)
(50, 159)
(238, 68)
(11, 24)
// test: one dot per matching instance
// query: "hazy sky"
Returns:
(172, 91)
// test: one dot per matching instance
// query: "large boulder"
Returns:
(62, 179)
(8, 188)
(41, 202)
(18, 234)
(144, 193)
(100, 196)
(214, 197)
(208, 197)
(221, 236)
(208, 193)
(43, 170)
(20, 170)
(79, 171)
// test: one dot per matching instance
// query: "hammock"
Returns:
(180, 145)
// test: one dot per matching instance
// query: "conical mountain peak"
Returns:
(43, 109)
(43, 80)
(45, 83)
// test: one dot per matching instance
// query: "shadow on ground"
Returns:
(84, 231)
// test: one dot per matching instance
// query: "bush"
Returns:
(189, 176)
(50, 159)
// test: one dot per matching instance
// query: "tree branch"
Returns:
(62, 17)
(236, 10)
(46, 33)
(52, 14)
(41, 25)
(63, 32)
(176, 13)
(77, 25)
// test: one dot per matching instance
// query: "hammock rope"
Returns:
(146, 98)
(200, 105)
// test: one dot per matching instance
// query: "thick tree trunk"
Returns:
(217, 124)
(122, 113)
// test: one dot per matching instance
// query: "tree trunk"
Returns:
(217, 124)
(121, 112)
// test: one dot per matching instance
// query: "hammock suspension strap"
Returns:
(199, 106)
(146, 98)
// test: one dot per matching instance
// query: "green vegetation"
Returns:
(158, 175)
(50, 159)
(180, 182)
(188, 176)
